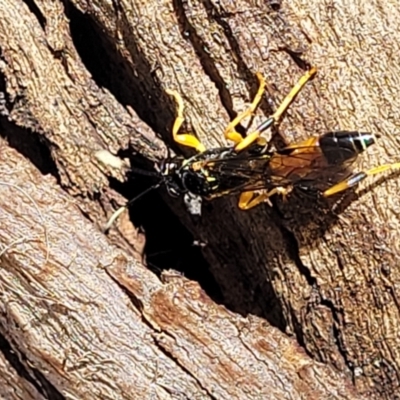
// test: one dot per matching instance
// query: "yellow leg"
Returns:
(230, 132)
(249, 200)
(276, 116)
(184, 139)
(293, 93)
(356, 178)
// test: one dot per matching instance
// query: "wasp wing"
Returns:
(301, 166)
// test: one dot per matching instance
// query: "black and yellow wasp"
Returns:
(248, 168)
(251, 170)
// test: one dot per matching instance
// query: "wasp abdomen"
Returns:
(339, 147)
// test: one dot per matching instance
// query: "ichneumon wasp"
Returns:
(249, 168)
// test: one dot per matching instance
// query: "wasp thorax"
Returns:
(198, 182)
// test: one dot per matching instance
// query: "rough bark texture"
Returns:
(325, 274)
(78, 335)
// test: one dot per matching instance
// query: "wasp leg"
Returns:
(249, 200)
(276, 116)
(356, 178)
(185, 139)
(230, 132)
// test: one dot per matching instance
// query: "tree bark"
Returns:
(78, 334)
(323, 273)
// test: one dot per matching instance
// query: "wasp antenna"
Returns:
(140, 171)
(149, 189)
(120, 210)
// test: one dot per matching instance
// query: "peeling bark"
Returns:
(65, 312)
(325, 274)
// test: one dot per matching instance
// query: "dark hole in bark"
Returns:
(168, 243)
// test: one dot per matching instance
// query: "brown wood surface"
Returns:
(82, 77)
(78, 334)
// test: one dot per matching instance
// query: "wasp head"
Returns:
(170, 171)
